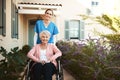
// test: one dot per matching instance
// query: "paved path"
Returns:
(67, 76)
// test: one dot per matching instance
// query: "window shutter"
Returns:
(67, 30)
(3, 17)
(82, 25)
(14, 19)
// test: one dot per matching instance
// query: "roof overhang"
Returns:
(37, 8)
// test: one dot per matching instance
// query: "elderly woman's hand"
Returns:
(42, 62)
(51, 59)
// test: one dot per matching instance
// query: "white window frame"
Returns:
(77, 30)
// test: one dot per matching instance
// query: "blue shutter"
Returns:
(3, 17)
(67, 30)
(82, 25)
(14, 20)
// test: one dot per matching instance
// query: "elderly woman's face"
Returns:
(44, 38)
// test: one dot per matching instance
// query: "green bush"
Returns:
(13, 63)
(91, 59)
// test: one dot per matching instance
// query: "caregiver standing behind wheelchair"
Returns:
(45, 24)
(44, 55)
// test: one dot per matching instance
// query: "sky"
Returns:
(85, 3)
(105, 6)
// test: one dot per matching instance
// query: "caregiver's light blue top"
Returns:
(52, 28)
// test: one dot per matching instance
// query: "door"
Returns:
(31, 32)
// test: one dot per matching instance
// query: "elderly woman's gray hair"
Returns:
(45, 32)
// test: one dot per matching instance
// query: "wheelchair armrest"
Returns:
(59, 62)
(58, 59)
(28, 60)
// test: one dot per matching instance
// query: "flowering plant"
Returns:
(91, 59)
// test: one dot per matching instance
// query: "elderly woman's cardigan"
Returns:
(51, 52)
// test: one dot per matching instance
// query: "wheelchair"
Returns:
(59, 72)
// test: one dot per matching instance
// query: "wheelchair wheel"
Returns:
(27, 74)
(59, 75)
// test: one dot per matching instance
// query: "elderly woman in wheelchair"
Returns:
(44, 57)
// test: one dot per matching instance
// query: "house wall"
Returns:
(68, 11)
(7, 41)
(23, 32)
(94, 29)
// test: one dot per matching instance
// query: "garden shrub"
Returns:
(91, 59)
(13, 63)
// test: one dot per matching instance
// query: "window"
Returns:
(94, 3)
(74, 29)
(3, 17)
(14, 20)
